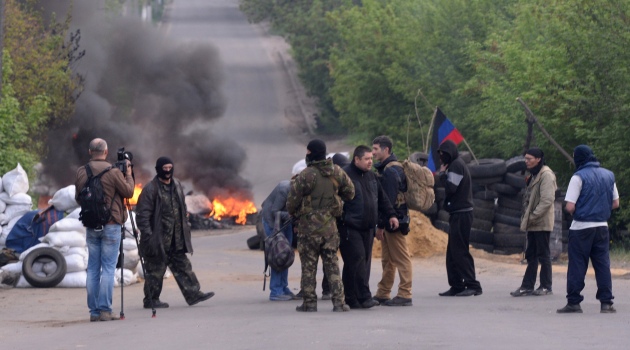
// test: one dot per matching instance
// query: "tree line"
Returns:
(381, 67)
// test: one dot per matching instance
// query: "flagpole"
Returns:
(470, 150)
(426, 146)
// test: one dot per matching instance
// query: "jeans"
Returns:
(279, 281)
(537, 252)
(103, 247)
(588, 243)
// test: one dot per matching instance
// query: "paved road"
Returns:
(241, 317)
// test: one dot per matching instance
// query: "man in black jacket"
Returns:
(460, 266)
(394, 243)
(357, 228)
(165, 237)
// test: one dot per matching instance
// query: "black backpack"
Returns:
(94, 211)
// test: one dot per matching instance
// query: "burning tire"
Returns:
(47, 254)
(253, 242)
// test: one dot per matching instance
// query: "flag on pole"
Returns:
(443, 130)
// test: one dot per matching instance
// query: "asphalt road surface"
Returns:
(240, 316)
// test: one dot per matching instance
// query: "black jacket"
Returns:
(361, 213)
(148, 218)
(456, 181)
(393, 180)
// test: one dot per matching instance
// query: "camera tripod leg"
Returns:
(144, 271)
(122, 280)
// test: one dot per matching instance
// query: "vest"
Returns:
(595, 201)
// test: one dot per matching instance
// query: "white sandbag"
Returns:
(74, 214)
(13, 267)
(129, 244)
(67, 224)
(15, 181)
(3, 206)
(50, 267)
(75, 263)
(9, 226)
(25, 253)
(18, 198)
(74, 280)
(3, 238)
(83, 251)
(15, 210)
(128, 226)
(65, 238)
(38, 267)
(128, 277)
(198, 204)
(64, 199)
(1, 187)
(141, 273)
(131, 259)
(22, 283)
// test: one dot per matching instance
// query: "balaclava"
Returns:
(158, 168)
(318, 151)
(583, 154)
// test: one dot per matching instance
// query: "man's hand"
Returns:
(379, 233)
(129, 169)
(393, 223)
(443, 167)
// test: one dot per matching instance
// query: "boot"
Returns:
(341, 308)
(305, 308)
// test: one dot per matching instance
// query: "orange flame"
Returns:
(223, 207)
(136, 193)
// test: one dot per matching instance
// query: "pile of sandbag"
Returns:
(14, 200)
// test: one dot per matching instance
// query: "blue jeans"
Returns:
(279, 282)
(588, 243)
(103, 247)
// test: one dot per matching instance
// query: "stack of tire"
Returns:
(508, 238)
(484, 174)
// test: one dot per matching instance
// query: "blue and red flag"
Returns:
(443, 130)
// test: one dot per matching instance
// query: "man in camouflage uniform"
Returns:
(165, 237)
(315, 200)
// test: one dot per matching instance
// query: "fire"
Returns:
(136, 193)
(223, 207)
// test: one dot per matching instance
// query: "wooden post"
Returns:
(532, 117)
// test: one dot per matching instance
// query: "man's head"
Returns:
(164, 168)
(382, 147)
(340, 160)
(362, 158)
(583, 154)
(98, 149)
(533, 157)
(447, 152)
(315, 150)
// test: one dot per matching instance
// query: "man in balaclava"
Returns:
(591, 196)
(460, 265)
(315, 200)
(537, 220)
(165, 237)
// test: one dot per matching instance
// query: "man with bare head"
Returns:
(103, 240)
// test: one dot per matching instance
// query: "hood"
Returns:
(381, 166)
(325, 167)
(449, 147)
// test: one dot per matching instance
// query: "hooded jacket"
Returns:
(276, 203)
(361, 213)
(538, 209)
(393, 181)
(456, 181)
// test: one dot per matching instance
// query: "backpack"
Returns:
(420, 195)
(94, 212)
(279, 253)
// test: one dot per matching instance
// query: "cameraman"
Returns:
(165, 237)
(103, 242)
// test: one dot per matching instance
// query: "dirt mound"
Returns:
(423, 240)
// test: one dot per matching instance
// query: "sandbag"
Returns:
(74, 214)
(73, 280)
(3, 206)
(198, 204)
(18, 198)
(128, 277)
(75, 263)
(67, 224)
(25, 253)
(65, 238)
(15, 210)
(64, 199)
(15, 181)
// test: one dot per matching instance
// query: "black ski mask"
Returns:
(162, 161)
(318, 151)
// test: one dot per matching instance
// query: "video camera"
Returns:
(122, 157)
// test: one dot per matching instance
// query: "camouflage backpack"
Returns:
(279, 253)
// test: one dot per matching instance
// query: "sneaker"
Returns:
(469, 293)
(326, 296)
(201, 297)
(542, 291)
(369, 304)
(355, 305)
(521, 292)
(451, 292)
(398, 301)
(300, 295)
(281, 297)
(607, 309)
(108, 316)
(95, 318)
(305, 308)
(341, 308)
(570, 309)
(157, 304)
(380, 301)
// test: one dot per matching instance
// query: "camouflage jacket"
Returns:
(316, 195)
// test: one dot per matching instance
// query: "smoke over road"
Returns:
(153, 96)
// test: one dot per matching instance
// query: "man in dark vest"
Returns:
(591, 196)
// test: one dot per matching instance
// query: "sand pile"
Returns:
(423, 240)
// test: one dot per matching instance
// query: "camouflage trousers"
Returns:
(311, 247)
(181, 268)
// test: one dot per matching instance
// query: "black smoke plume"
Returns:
(147, 93)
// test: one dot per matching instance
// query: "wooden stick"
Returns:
(426, 146)
(415, 105)
(532, 117)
